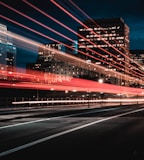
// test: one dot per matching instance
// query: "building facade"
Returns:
(47, 60)
(7, 51)
(105, 42)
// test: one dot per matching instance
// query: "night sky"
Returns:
(132, 13)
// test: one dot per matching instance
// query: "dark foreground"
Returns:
(76, 134)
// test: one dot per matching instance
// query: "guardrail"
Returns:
(129, 101)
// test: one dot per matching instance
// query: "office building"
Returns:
(105, 42)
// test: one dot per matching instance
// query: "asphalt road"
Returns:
(97, 133)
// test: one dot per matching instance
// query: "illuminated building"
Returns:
(107, 37)
(138, 56)
(7, 51)
(48, 62)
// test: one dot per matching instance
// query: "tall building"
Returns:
(103, 38)
(7, 51)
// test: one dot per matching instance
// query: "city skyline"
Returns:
(132, 13)
(105, 55)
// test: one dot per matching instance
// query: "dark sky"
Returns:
(132, 12)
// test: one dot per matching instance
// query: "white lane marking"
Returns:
(35, 121)
(63, 132)
(46, 119)
(19, 124)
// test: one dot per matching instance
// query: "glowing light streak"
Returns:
(34, 21)
(37, 22)
(73, 84)
(34, 31)
(64, 37)
(78, 85)
(23, 39)
(72, 59)
(58, 41)
(60, 54)
(45, 37)
(50, 17)
(100, 35)
(76, 6)
(126, 100)
(30, 29)
(34, 76)
(86, 15)
(57, 82)
(81, 23)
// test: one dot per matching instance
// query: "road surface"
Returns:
(115, 132)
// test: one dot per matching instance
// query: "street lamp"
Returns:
(100, 80)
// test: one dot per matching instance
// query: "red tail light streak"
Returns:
(37, 22)
(74, 60)
(47, 81)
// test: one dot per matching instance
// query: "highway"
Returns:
(114, 132)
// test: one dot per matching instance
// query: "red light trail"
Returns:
(67, 83)
(50, 81)
(65, 37)
(73, 59)
(73, 83)
(50, 17)
(37, 22)
(81, 23)
(37, 44)
(32, 30)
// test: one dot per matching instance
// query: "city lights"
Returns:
(137, 74)
(38, 80)
(71, 79)
(102, 63)
(72, 84)
(86, 27)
